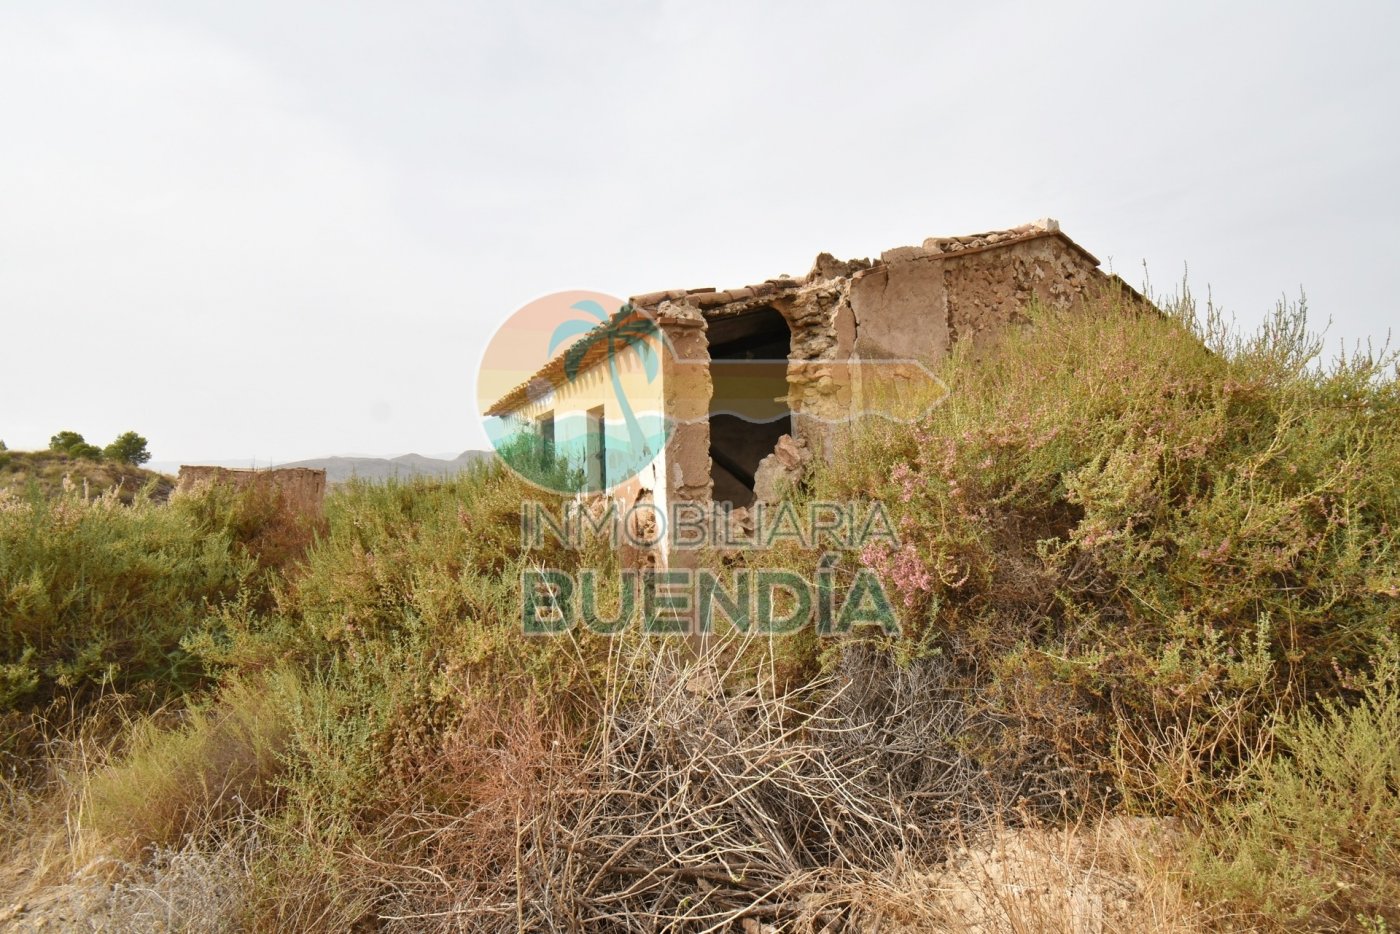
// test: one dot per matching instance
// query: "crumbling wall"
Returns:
(823, 344)
(279, 511)
(302, 489)
(987, 290)
(919, 301)
(914, 304)
(686, 390)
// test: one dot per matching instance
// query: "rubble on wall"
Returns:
(641, 528)
(781, 470)
(826, 266)
(817, 381)
(990, 237)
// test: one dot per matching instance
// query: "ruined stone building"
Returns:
(754, 378)
(285, 504)
(302, 489)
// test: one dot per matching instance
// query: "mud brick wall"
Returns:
(302, 489)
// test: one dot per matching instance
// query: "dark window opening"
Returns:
(597, 452)
(545, 426)
(749, 409)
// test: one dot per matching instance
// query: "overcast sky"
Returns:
(279, 230)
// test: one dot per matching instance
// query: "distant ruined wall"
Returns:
(303, 489)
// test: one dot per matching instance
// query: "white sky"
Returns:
(278, 230)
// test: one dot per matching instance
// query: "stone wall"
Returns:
(302, 489)
(919, 301)
(988, 290)
(914, 303)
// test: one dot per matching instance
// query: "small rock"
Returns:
(780, 470)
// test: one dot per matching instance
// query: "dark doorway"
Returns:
(749, 409)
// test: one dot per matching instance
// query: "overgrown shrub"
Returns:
(1313, 835)
(259, 518)
(221, 761)
(425, 572)
(1147, 533)
(401, 620)
(97, 596)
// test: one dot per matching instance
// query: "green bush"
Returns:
(222, 761)
(1144, 534)
(1315, 832)
(128, 448)
(73, 444)
(95, 596)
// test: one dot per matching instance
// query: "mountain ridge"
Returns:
(341, 468)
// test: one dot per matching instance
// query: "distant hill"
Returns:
(48, 468)
(340, 469)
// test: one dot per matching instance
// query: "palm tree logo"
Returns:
(610, 337)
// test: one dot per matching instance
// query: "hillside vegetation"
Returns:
(1148, 680)
(49, 470)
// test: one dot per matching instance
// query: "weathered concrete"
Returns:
(901, 309)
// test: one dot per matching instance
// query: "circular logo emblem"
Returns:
(569, 392)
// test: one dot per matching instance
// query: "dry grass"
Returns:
(708, 798)
(1115, 876)
(51, 471)
(194, 888)
(50, 756)
(705, 797)
(119, 816)
(173, 785)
